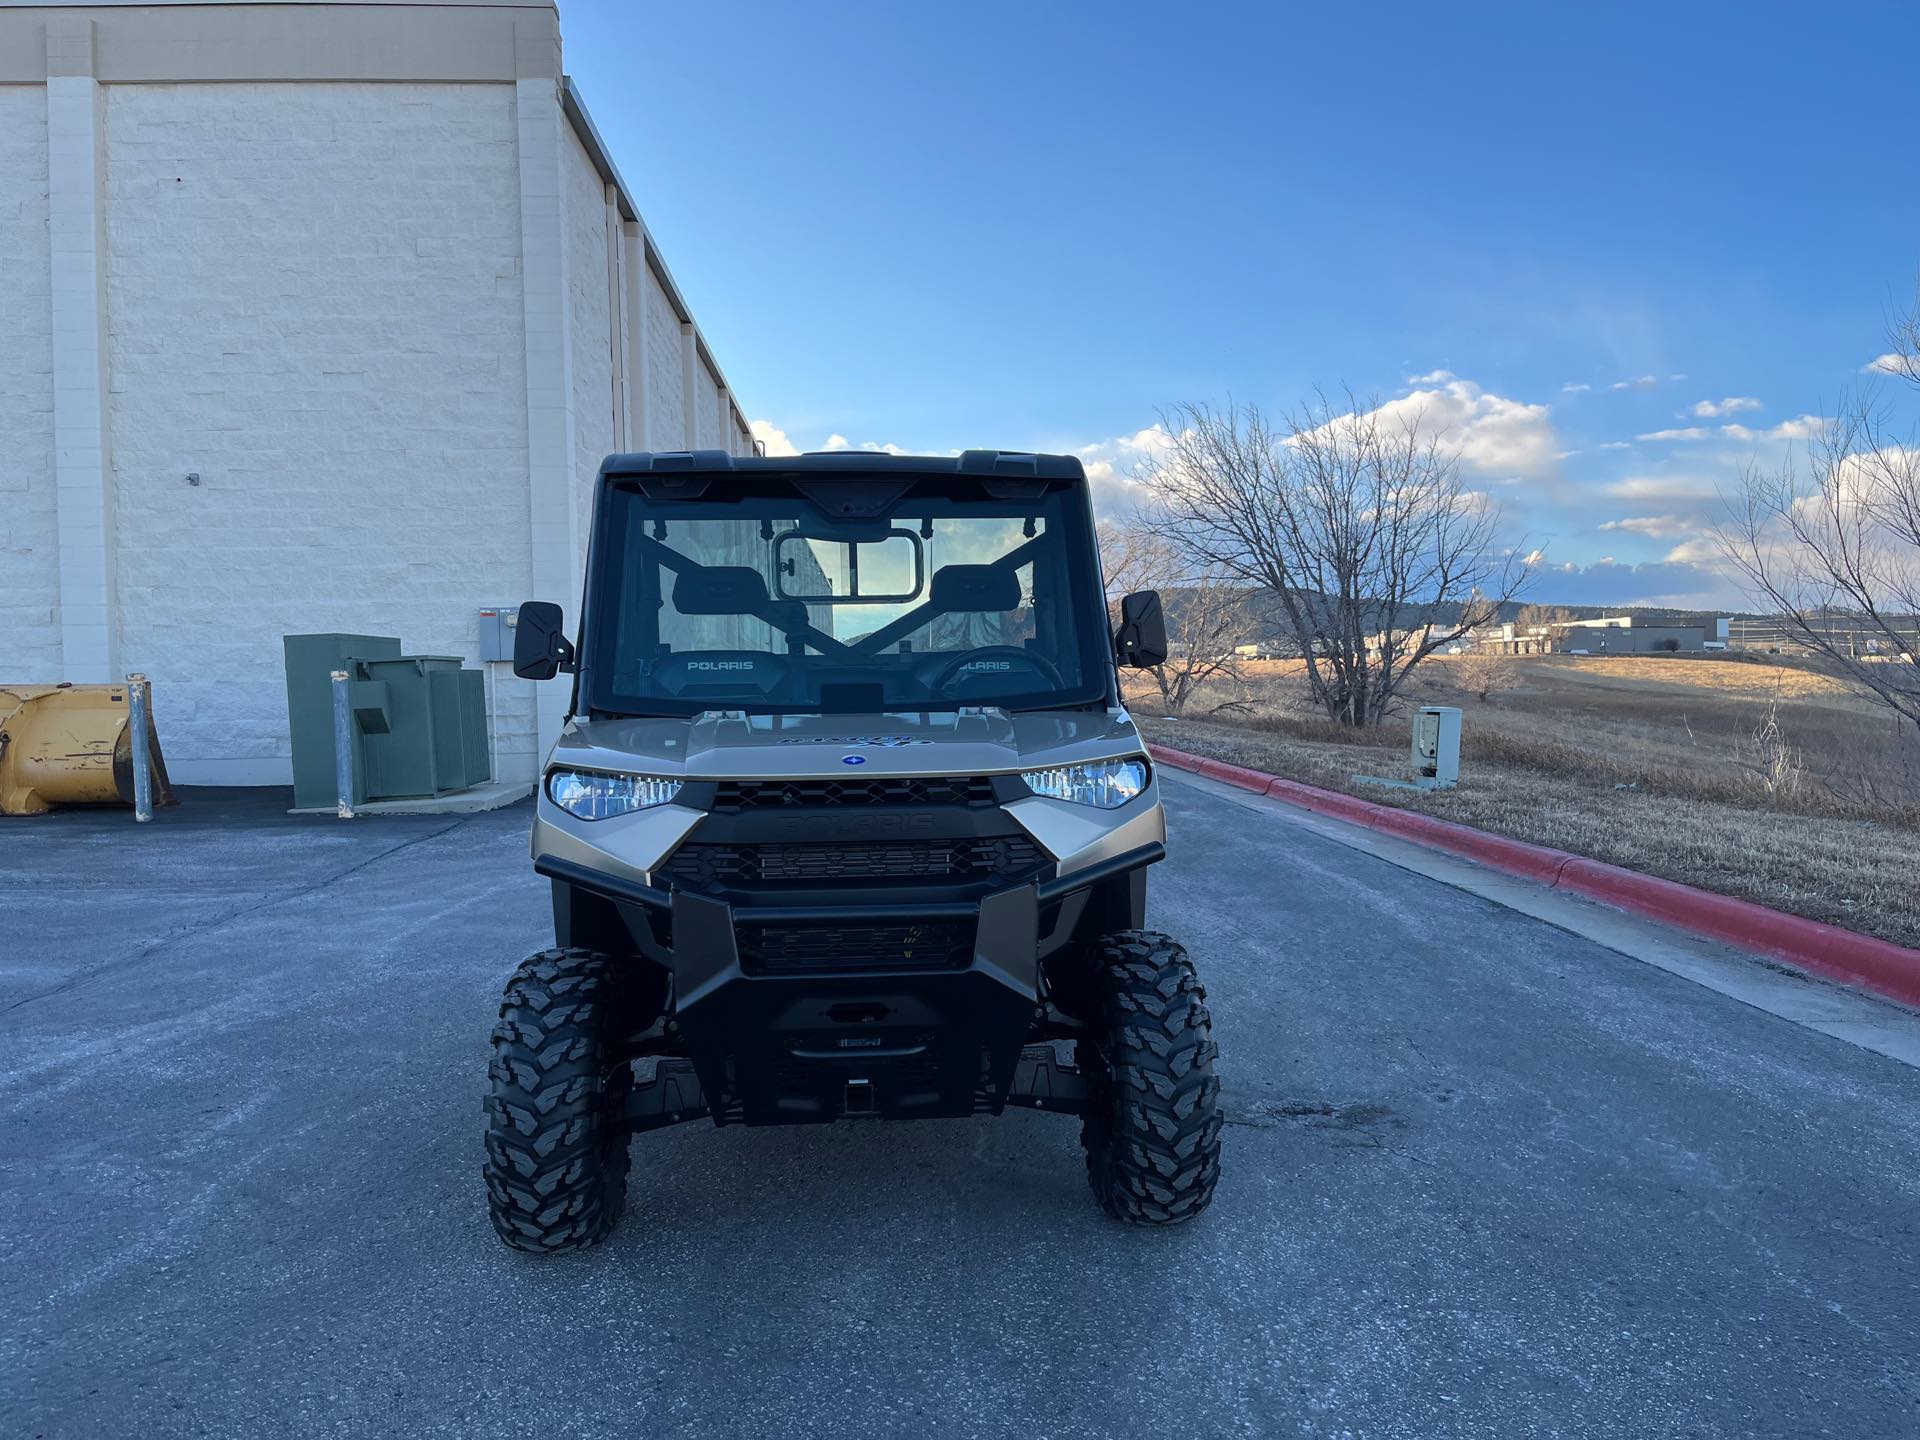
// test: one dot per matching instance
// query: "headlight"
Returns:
(593, 796)
(1105, 783)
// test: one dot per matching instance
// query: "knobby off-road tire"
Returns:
(556, 1158)
(1152, 1127)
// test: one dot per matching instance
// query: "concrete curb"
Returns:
(1846, 955)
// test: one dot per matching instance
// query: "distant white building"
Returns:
(313, 317)
(1602, 635)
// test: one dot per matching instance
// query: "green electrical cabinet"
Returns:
(311, 661)
(436, 735)
(417, 723)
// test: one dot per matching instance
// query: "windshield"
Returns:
(764, 602)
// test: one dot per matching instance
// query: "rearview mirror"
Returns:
(871, 565)
(1142, 638)
(541, 649)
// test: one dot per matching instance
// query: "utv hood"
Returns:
(729, 746)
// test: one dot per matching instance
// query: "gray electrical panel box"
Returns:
(496, 631)
(1436, 747)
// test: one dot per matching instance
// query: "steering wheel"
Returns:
(949, 672)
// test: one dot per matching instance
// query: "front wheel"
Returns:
(556, 1166)
(1152, 1126)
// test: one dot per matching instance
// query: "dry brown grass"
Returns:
(1752, 780)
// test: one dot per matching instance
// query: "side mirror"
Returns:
(1142, 638)
(541, 649)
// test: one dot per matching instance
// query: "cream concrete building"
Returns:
(313, 317)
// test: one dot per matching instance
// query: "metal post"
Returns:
(342, 746)
(139, 717)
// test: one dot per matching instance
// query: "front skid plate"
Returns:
(794, 1048)
(673, 1095)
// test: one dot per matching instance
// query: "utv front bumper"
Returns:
(788, 1014)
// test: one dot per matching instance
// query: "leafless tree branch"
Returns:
(1206, 608)
(1356, 525)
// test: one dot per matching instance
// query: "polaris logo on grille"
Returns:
(720, 665)
(856, 1042)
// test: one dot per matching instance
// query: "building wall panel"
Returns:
(712, 436)
(29, 553)
(591, 332)
(666, 410)
(313, 305)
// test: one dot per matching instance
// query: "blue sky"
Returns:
(1033, 225)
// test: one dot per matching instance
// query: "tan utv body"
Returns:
(849, 820)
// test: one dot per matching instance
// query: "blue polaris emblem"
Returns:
(853, 759)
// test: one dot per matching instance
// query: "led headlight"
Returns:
(594, 796)
(1105, 783)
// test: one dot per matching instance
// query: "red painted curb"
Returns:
(1846, 955)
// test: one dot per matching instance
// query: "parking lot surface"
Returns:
(1481, 1177)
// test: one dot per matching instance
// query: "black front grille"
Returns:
(1006, 858)
(733, 796)
(811, 949)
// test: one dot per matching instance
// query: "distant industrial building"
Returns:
(1604, 635)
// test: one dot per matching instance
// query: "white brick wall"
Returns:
(707, 411)
(314, 304)
(320, 298)
(665, 407)
(593, 432)
(29, 555)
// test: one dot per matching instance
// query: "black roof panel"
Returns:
(1012, 464)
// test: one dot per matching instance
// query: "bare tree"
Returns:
(1355, 522)
(1482, 672)
(1205, 606)
(1541, 617)
(1835, 548)
(1903, 334)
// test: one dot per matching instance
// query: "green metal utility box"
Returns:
(311, 661)
(436, 727)
(418, 723)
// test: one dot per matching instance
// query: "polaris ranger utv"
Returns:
(848, 820)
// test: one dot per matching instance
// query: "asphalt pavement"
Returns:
(1482, 1177)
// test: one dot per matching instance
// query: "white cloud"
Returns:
(1662, 489)
(1732, 405)
(1690, 432)
(1496, 436)
(1617, 445)
(778, 442)
(1654, 527)
(773, 439)
(1574, 387)
(1888, 364)
(1638, 382)
(1697, 551)
(1111, 465)
(1432, 377)
(1801, 427)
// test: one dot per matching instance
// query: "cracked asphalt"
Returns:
(1482, 1177)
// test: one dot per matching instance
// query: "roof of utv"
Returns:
(846, 464)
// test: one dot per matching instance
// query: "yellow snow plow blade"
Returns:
(70, 745)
